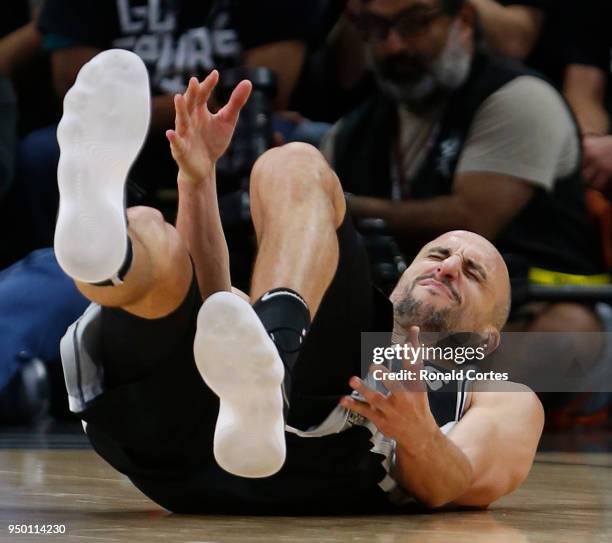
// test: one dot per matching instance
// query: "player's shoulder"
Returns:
(501, 393)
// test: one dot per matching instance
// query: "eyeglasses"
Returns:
(406, 24)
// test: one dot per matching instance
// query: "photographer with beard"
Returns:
(456, 139)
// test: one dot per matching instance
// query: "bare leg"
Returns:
(297, 204)
(108, 109)
(160, 274)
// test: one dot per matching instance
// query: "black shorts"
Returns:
(151, 416)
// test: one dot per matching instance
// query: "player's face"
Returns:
(418, 52)
(454, 284)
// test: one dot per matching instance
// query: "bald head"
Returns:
(457, 282)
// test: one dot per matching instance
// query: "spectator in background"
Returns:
(568, 41)
(27, 102)
(335, 65)
(29, 331)
(512, 27)
(458, 140)
(176, 40)
(25, 63)
(587, 89)
(20, 42)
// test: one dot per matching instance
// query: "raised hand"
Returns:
(201, 137)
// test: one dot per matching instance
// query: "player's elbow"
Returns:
(494, 485)
(435, 502)
(65, 65)
(525, 451)
(446, 494)
(484, 494)
(534, 411)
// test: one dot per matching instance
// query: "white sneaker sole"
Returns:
(241, 365)
(104, 125)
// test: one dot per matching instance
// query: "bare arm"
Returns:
(199, 224)
(435, 471)
(585, 87)
(198, 141)
(597, 163)
(285, 59)
(499, 435)
(470, 207)
(66, 63)
(510, 30)
(487, 454)
(18, 47)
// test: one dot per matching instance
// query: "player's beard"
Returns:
(408, 80)
(412, 312)
(408, 311)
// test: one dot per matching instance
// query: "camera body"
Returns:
(252, 137)
(253, 134)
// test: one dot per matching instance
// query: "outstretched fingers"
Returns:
(181, 119)
(191, 94)
(229, 113)
(176, 144)
(206, 88)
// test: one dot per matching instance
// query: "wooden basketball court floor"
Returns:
(56, 479)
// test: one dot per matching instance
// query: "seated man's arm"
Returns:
(285, 59)
(521, 138)
(66, 63)
(19, 47)
(481, 202)
(197, 142)
(499, 436)
(588, 62)
(510, 30)
(585, 89)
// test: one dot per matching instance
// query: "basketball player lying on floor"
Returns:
(243, 404)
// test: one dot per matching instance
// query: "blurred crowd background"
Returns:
(486, 115)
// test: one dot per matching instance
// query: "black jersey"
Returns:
(156, 426)
(344, 472)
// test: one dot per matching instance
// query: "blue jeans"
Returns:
(38, 301)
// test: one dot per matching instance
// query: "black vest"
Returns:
(553, 231)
